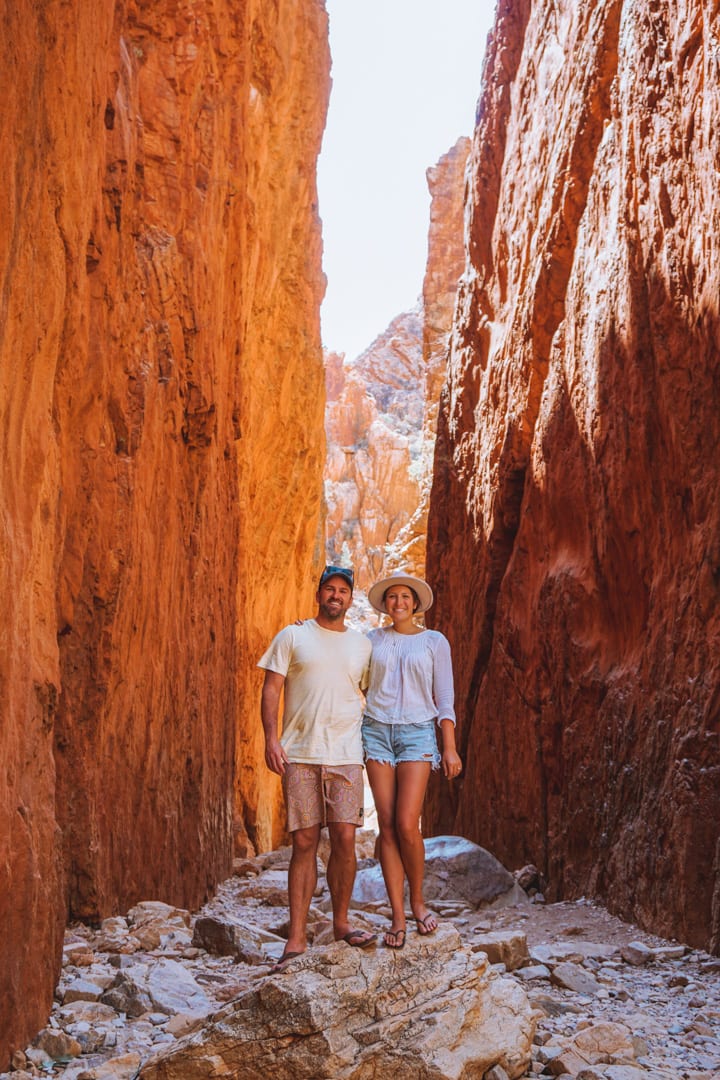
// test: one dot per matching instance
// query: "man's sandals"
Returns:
(359, 939)
(284, 961)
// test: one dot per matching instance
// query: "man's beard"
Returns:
(332, 613)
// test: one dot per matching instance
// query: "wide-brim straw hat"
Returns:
(377, 591)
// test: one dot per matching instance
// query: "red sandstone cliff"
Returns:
(576, 507)
(161, 426)
(381, 411)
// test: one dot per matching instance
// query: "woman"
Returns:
(410, 692)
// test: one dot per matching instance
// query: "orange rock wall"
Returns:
(161, 463)
(576, 507)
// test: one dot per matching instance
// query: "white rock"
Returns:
(430, 1009)
(509, 948)
(637, 953)
(123, 1067)
(532, 972)
(563, 950)
(82, 990)
(173, 990)
(574, 977)
(669, 952)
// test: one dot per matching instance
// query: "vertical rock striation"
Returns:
(161, 427)
(576, 506)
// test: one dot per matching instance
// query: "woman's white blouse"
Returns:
(411, 679)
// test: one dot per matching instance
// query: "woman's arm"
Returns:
(444, 692)
(451, 763)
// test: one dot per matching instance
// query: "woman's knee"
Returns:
(408, 829)
(386, 825)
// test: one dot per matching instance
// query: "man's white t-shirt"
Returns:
(323, 670)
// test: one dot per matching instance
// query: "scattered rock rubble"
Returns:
(607, 1002)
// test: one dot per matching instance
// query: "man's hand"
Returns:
(275, 757)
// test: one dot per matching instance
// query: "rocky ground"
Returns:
(611, 1002)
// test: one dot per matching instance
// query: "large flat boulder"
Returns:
(434, 1009)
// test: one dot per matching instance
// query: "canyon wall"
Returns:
(161, 397)
(575, 513)
(381, 411)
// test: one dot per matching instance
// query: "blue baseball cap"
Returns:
(344, 572)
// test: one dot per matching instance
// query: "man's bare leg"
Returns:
(302, 882)
(341, 869)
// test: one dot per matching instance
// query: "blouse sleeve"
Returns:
(443, 688)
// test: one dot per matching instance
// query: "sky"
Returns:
(406, 79)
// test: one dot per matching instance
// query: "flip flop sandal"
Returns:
(283, 962)
(398, 939)
(359, 939)
(422, 925)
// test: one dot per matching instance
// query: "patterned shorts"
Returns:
(318, 794)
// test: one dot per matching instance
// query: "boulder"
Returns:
(574, 977)
(226, 936)
(434, 1009)
(166, 986)
(509, 948)
(455, 869)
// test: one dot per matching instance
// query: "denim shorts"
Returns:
(393, 743)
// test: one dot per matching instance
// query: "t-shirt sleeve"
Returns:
(443, 687)
(278, 656)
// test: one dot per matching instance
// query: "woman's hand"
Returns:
(451, 763)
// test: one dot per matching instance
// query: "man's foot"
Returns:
(359, 939)
(427, 925)
(395, 939)
(284, 960)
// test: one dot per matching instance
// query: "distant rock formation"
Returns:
(373, 426)
(576, 501)
(381, 409)
(161, 447)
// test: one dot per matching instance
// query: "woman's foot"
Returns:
(426, 924)
(395, 939)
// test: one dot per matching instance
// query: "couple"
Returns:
(406, 674)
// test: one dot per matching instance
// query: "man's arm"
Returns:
(275, 756)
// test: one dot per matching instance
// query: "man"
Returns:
(321, 664)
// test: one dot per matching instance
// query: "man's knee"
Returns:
(305, 841)
(342, 837)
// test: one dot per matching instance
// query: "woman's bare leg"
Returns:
(412, 781)
(384, 788)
